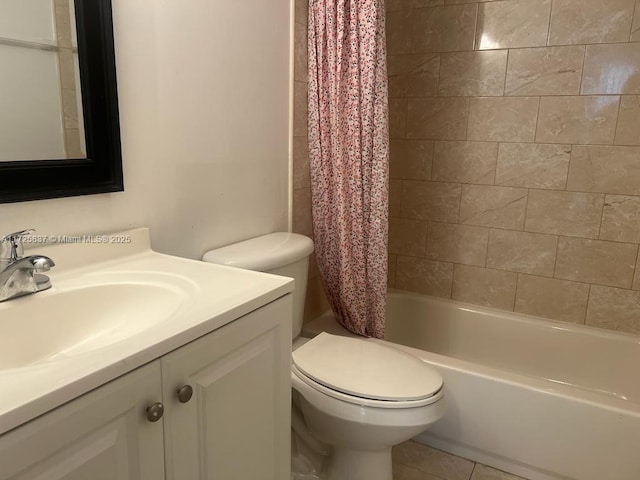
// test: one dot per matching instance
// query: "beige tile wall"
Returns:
(515, 155)
(316, 301)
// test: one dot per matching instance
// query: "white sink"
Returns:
(63, 322)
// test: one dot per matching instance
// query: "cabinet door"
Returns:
(103, 435)
(237, 424)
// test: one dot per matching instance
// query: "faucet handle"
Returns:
(11, 248)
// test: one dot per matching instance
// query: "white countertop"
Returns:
(216, 296)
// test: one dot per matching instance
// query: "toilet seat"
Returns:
(361, 401)
(366, 372)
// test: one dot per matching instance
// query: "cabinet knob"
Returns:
(155, 411)
(185, 393)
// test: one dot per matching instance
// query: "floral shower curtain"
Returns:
(349, 153)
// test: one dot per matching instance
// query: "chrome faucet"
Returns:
(19, 275)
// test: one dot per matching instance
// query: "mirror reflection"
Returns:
(40, 99)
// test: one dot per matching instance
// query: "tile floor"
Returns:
(414, 461)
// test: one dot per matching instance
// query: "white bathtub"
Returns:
(537, 398)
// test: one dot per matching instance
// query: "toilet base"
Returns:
(349, 464)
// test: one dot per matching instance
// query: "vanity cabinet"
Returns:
(237, 424)
(234, 426)
(103, 435)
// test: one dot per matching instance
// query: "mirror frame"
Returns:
(101, 171)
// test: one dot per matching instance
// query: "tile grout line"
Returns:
(475, 29)
(549, 24)
(439, 72)
(460, 203)
(475, 464)
(425, 250)
(486, 252)
(635, 266)
(454, 268)
(506, 70)
(535, 130)
(582, 69)
(555, 260)
(615, 130)
(553, 276)
(512, 142)
(586, 310)
(526, 210)
(558, 190)
(466, 130)
(604, 202)
(518, 47)
(401, 198)
(433, 158)
(633, 17)
(566, 180)
(412, 24)
(515, 293)
(578, 95)
(522, 230)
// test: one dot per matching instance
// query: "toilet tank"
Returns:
(281, 253)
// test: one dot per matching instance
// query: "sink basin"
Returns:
(64, 322)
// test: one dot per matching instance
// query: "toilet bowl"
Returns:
(358, 396)
(362, 398)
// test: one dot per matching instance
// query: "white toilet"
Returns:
(357, 395)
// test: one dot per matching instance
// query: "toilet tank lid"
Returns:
(262, 253)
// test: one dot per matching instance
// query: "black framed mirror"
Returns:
(101, 170)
